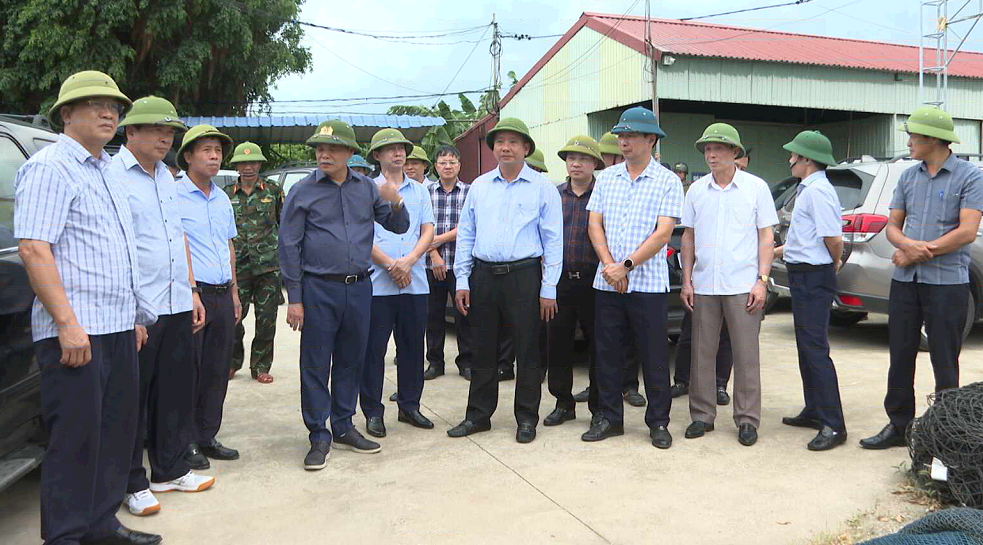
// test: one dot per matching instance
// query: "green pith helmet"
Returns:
(537, 160)
(246, 152)
(420, 155)
(681, 167)
(357, 161)
(585, 145)
(609, 144)
(724, 134)
(511, 124)
(153, 111)
(931, 121)
(640, 120)
(334, 131)
(812, 145)
(384, 138)
(197, 133)
(86, 84)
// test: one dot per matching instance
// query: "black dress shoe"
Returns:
(887, 438)
(415, 419)
(125, 536)
(318, 456)
(723, 398)
(216, 451)
(582, 397)
(466, 373)
(827, 439)
(747, 435)
(679, 389)
(802, 422)
(375, 426)
(634, 398)
(392, 398)
(355, 442)
(506, 373)
(433, 371)
(559, 416)
(467, 428)
(601, 430)
(660, 437)
(525, 434)
(698, 429)
(195, 459)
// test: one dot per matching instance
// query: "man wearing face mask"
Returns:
(325, 258)
(210, 225)
(509, 257)
(812, 253)
(727, 250)
(257, 205)
(167, 360)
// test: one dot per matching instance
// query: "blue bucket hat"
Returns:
(359, 161)
(640, 120)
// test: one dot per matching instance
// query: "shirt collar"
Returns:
(130, 161)
(238, 187)
(381, 179)
(815, 176)
(457, 185)
(948, 165)
(190, 187)
(649, 172)
(526, 174)
(735, 181)
(78, 152)
(320, 176)
(565, 187)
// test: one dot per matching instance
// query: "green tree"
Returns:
(456, 121)
(209, 57)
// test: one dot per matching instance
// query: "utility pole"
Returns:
(496, 52)
(653, 67)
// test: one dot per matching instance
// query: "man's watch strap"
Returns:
(764, 278)
(196, 289)
(629, 264)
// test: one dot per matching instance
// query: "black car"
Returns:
(21, 434)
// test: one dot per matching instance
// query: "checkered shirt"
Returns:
(447, 211)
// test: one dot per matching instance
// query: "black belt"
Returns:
(214, 289)
(806, 267)
(344, 278)
(506, 268)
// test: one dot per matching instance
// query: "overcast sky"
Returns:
(421, 68)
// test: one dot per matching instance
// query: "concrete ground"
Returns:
(427, 488)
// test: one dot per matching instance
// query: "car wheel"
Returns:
(845, 318)
(970, 321)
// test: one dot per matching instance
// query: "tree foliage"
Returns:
(457, 121)
(209, 57)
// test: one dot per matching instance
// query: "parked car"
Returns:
(289, 174)
(865, 187)
(224, 178)
(22, 438)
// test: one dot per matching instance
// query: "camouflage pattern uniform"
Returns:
(257, 269)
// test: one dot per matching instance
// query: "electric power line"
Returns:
(745, 10)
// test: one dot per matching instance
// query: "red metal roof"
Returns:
(722, 41)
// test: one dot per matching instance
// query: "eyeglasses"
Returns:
(103, 105)
(448, 163)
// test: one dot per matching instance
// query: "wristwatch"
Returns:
(195, 289)
(764, 278)
(629, 264)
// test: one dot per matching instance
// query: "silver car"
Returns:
(865, 188)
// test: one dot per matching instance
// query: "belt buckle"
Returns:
(500, 269)
(351, 279)
(573, 275)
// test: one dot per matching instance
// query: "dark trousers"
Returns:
(812, 295)
(575, 301)
(167, 401)
(213, 354)
(91, 414)
(684, 354)
(943, 311)
(404, 316)
(621, 319)
(437, 324)
(332, 345)
(514, 299)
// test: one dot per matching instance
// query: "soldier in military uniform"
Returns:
(417, 165)
(257, 205)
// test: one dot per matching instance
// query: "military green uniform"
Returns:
(257, 269)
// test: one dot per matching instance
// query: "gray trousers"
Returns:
(709, 311)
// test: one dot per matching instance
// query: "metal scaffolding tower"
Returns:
(935, 42)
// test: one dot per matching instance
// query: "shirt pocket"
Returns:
(950, 210)
(743, 213)
(526, 212)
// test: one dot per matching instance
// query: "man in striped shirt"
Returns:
(89, 320)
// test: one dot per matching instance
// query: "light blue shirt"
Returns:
(508, 221)
(210, 224)
(155, 207)
(66, 197)
(816, 215)
(631, 210)
(416, 199)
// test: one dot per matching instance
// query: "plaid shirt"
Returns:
(578, 253)
(447, 211)
(631, 211)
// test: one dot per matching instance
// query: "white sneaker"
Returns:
(191, 482)
(142, 503)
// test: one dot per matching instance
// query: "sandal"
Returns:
(264, 378)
